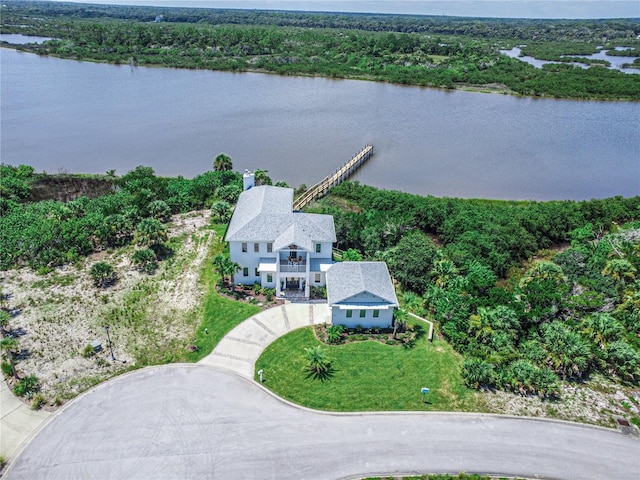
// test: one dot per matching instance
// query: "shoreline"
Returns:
(491, 88)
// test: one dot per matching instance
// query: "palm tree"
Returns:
(9, 344)
(225, 267)
(222, 163)
(262, 178)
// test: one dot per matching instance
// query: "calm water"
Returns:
(85, 117)
(615, 61)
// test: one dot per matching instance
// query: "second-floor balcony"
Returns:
(293, 266)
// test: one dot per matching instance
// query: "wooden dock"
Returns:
(321, 188)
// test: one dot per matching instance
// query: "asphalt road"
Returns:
(190, 421)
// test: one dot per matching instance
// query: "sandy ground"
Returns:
(58, 314)
(598, 402)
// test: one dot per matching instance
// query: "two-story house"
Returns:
(277, 247)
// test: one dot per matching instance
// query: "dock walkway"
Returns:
(321, 188)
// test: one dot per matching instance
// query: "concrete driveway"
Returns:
(242, 346)
(193, 421)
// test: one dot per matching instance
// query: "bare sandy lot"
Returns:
(149, 316)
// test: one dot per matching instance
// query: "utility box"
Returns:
(96, 345)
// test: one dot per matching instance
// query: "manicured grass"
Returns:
(219, 314)
(367, 375)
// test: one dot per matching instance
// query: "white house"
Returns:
(361, 293)
(277, 247)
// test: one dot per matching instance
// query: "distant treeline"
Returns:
(517, 29)
(429, 51)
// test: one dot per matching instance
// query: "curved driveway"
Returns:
(213, 421)
(193, 421)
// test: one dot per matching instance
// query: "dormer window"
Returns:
(318, 248)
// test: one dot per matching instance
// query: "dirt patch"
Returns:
(151, 317)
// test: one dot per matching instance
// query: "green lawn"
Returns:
(219, 314)
(367, 375)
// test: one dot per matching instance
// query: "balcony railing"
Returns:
(292, 267)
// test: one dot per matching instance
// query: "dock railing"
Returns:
(343, 173)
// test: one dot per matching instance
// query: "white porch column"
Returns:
(307, 290)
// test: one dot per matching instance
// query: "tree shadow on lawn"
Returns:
(323, 375)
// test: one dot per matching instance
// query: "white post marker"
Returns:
(260, 373)
(424, 391)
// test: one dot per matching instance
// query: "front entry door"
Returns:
(293, 283)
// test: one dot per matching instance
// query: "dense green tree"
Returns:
(352, 255)
(115, 230)
(262, 178)
(411, 260)
(620, 270)
(602, 329)
(543, 291)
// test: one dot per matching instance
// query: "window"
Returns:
(244, 247)
(245, 272)
(257, 272)
(269, 247)
(349, 313)
(269, 278)
(256, 247)
(317, 278)
(376, 313)
(363, 313)
(318, 247)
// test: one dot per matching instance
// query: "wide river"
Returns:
(62, 115)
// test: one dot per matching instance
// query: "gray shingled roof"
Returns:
(264, 213)
(347, 279)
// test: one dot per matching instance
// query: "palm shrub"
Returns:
(160, 210)
(7, 369)
(318, 362)
(103, 274)
(334, 333)
(27, 387)
(38, 401)
(477, 373)
(145, 260)
(8, 345)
